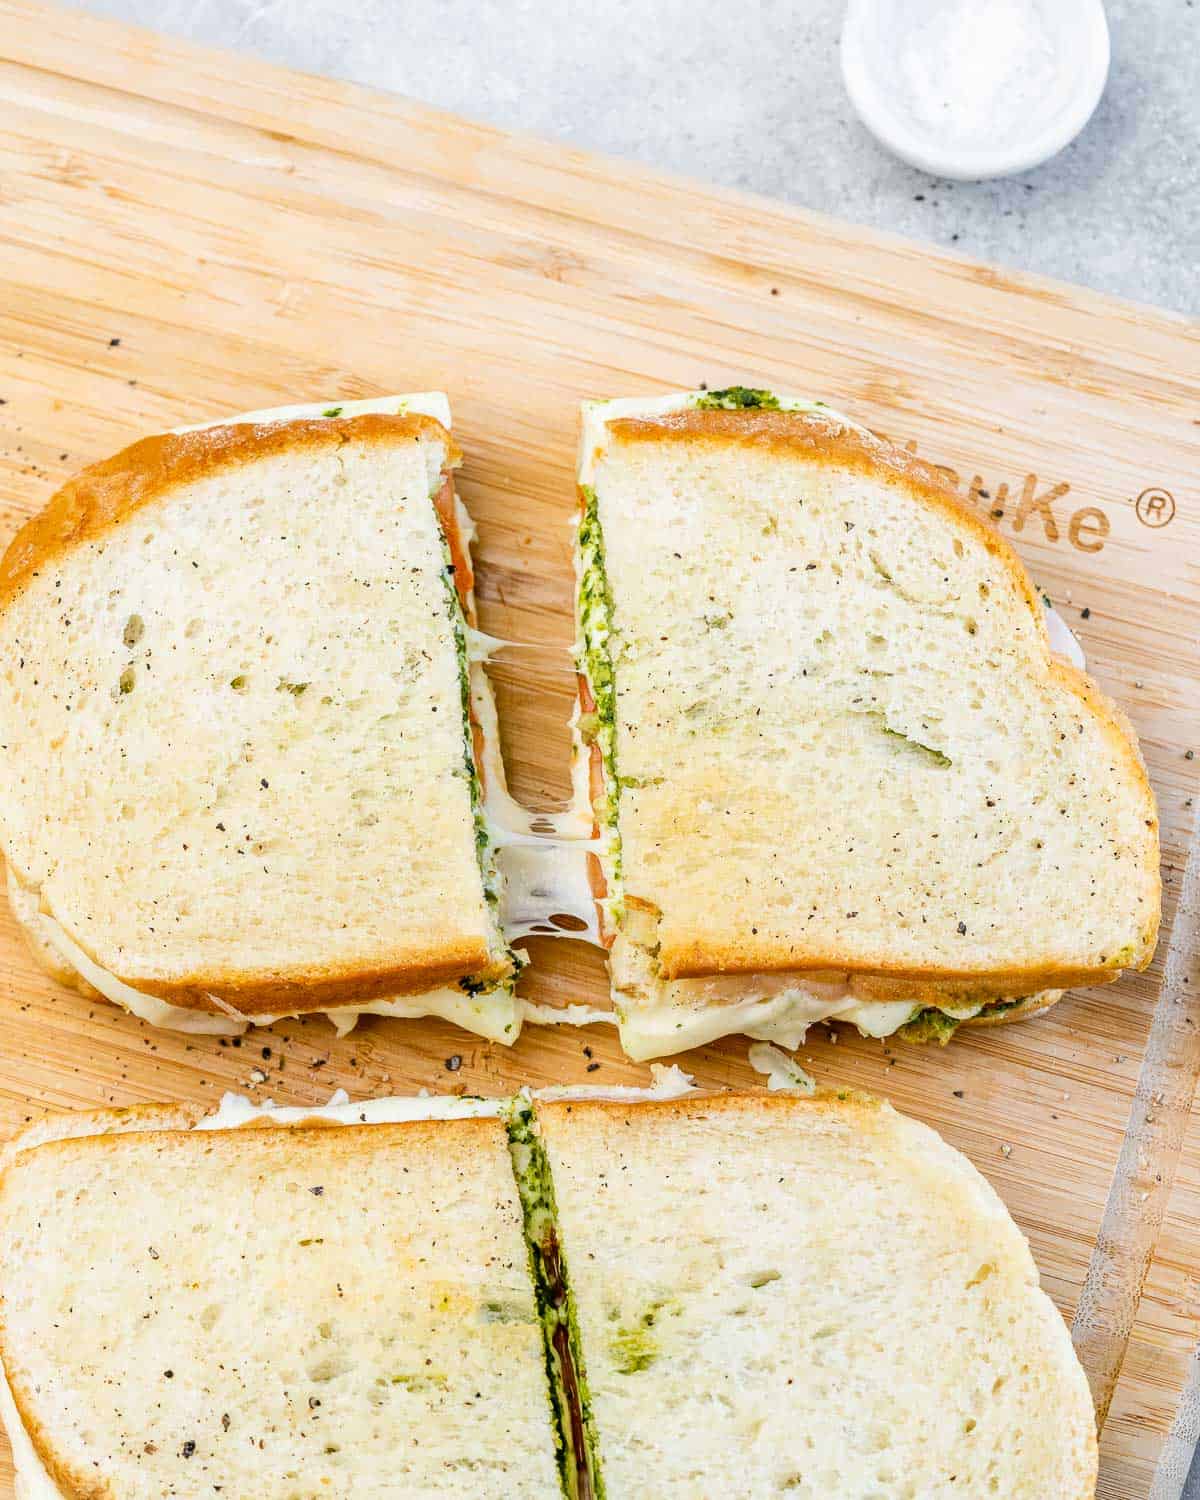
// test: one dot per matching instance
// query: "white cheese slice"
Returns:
(785, 1016)
(235, 1110)
(496, 1015)
(425, 403)
(568, 1015)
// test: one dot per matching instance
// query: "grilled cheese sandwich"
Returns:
(528, 1296)
(284, 605)
(835, 767)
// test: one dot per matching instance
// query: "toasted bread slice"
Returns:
(239, 777)
(275, 1312)
(831, 741)
(783, 1296)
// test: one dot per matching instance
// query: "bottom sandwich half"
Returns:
(733, 1296)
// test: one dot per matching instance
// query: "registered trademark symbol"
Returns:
(1155, 507)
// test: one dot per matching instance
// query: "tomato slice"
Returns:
(460, 560)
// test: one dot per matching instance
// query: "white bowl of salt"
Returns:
(975, 88)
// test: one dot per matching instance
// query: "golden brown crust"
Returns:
(273, 993)
(108, 492)
(823, 439)
(89, 1122)
(732, 1101)
(266, 993)
(1123, 738)
(701, 959)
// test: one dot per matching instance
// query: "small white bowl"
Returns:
(873, 37)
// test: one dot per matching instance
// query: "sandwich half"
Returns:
(740, 1295)
(806, 1298)
(242, 727)
(276, 1312)
(836, 769)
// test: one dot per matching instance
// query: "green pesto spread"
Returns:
(938, 757)
(933, 1025)
(576, 1447)
(929, 1025)
(737, 398)
(483, 839)
(485, 849)
(596, 662)
(633, 1350)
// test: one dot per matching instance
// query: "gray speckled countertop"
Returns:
(750, 96)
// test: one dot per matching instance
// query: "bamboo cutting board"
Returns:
(184, 234)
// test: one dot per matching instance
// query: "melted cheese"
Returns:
(782, 1071)
(235, 1110)
(496, 1015)
(424, 403)
(659, 1030)
(46, 931)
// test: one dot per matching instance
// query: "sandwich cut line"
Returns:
(566, 1371)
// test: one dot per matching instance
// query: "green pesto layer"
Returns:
(485, 849)
(566, 1377)
(934, 1025)
(595, 609)
(737, 398)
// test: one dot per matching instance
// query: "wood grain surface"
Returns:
(185, 234)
